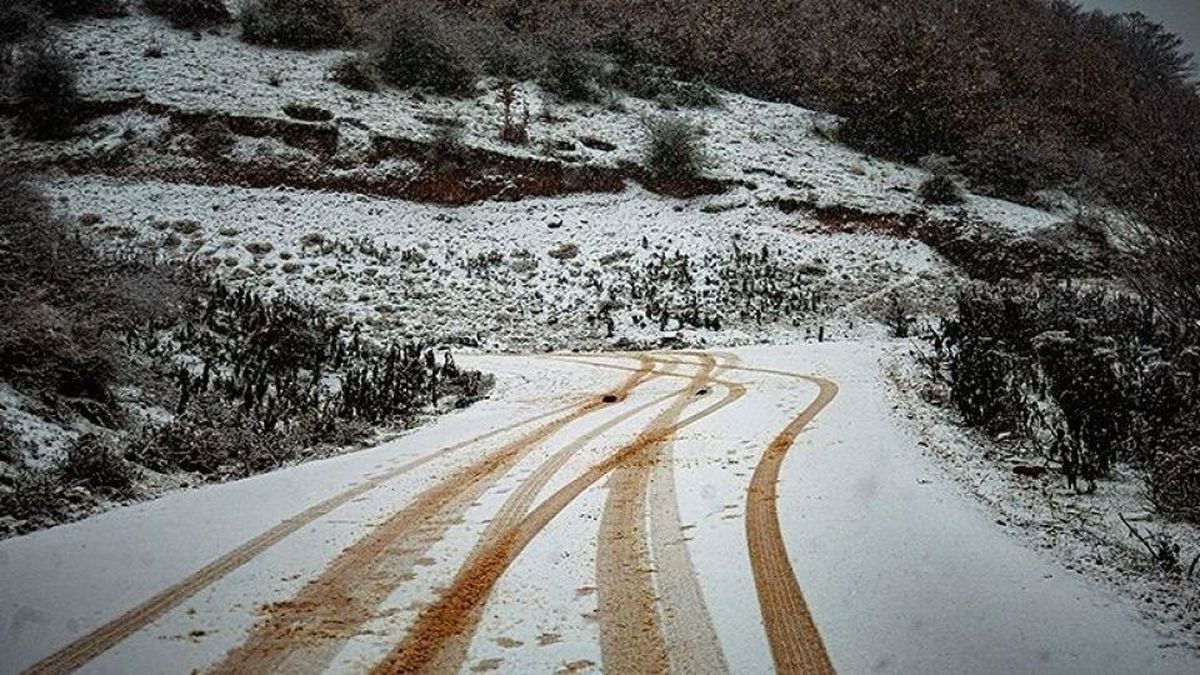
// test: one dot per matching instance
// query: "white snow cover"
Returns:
(776, 146)
(902, 571)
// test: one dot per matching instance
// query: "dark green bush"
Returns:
(420, 47)
(190, 13)
(43, 84)
(298, 24)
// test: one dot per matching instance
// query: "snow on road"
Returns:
(502, 559)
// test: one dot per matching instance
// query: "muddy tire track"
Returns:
(302, 635)
(449, 618)
(632, 635)
(454, 651)
(796, 644)
(687, 624)
(107, 636)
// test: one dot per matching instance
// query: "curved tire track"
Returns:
(88, 647)
(452, 653)
(645, 626)
(448, 618)
(302, 635)
(796, 644)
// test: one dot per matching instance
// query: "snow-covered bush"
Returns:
(43, 84)
(34, 498)
(1092, 377)
(213, 438)
(446, 146)
(660, 83)
(504, 52)
(356, 71)
(1173, 477)
(190, 13)
(420, 47)
(92, 461)
(1005, 163)
(940, 189)
(674, 148)
(300, 24)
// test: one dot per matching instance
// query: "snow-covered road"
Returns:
(749, 510)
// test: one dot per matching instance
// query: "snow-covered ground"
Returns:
(901, 571)
(773, 145)
(526, 275)
(890, 523)
(1084, 532)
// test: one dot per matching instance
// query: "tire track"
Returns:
(692, 641)
(302, 635)
(449, 617)
(452, 654)
(107, 636)
(632, 635)
(796, 644)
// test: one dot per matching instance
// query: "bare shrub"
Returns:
(190, 13)
(898, 316)
(299, 24)
(514, 128)
(421, 47)
(43, 83)
(940, 189)
(673, 148)
(356, 71)
(92, 461)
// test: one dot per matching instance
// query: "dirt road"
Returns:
(665, 512)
